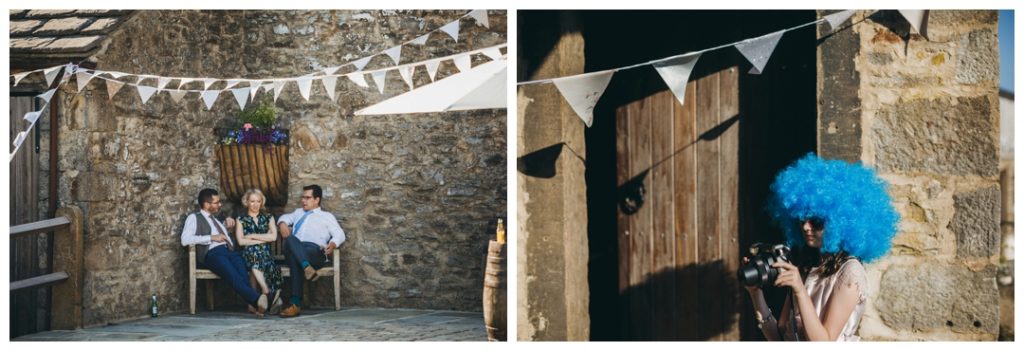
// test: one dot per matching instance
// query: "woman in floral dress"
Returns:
(255, 232)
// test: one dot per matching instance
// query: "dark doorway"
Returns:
(696, 298)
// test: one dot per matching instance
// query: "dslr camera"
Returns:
(758, 271)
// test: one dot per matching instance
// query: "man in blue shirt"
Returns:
(311, 234)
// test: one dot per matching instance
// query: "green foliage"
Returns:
(261, 116)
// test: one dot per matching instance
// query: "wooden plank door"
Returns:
(29, 309)
(677, 170)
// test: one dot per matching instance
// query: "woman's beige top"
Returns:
(852, 275)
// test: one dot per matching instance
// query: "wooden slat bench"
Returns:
(195, 273)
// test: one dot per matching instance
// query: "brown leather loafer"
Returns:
(291, 311)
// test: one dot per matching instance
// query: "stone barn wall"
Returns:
(924, 112)
(418, 195)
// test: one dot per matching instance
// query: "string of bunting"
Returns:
(33, 117)
(327, 76)
(582, 91)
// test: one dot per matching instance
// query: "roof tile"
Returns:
(48, 13)
(62, 26)
(23, 28)
(101, 25)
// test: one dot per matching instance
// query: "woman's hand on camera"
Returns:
(789, 276)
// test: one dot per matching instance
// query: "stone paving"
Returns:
(354, 324)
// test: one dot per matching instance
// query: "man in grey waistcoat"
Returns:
(217, 251)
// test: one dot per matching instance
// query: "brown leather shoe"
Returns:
(310, 273)
(292, 311)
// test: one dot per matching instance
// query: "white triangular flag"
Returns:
(358, 78)
(176, 95)
(406, 73)
(162, 82)
(113, 87)
(278, 88)
(463, 62)
(330, 70)
(759, 50)
(360, 63)
(209, 97)
(241, 95)
(378, 77)
(31, 117)
(18, 77)
(915, 17)
(18, 140)
(51, 73)
(47, 95)
(395, 52)
(432, 68)
(481, 17)
(254, 86)
(493, 53)
(329, 83)
(116, 74)
(421, 40)
(835, 19)
(304, 85)
(184, 81)
(232, 83)
(207, 82)
(145, 92)
(452, 29)
(676, 72)
(583, 91)
(267, 87)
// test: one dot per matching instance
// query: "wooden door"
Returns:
(29, 308)
(677, 171)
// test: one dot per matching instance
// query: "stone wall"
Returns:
(418, 195)
(925, 114)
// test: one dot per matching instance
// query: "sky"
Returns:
(1006, 50)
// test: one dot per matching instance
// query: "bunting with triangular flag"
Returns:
(162, 82)
(305, 83)
(378, 78)
(452, 29)
(759, 50)
(583, 91)
(208, 82)
(241, 96)
(358, 78)
(31, 117)
(676, 73)
(432, 68)
(18, 77)
(916, 19)
(145, 92)
(395, 53)
(481, 17)
(406, 73)
(360, 63)
(176, 95)
(421, 40)
(209, 97)
(835, 19)
(463, 62)
(47, 95)
(51, 73)
(329, 82)
(278, 88)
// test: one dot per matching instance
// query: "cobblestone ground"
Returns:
(356, 324)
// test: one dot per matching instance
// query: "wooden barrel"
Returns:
(495, 293)
(254, 166)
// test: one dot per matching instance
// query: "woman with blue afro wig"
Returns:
(835, 215)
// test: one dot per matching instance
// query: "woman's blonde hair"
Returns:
(263, 199)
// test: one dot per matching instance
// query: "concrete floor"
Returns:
(355, 324)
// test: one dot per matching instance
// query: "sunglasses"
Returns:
(816, 223)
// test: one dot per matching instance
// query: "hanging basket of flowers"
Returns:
(253, 154)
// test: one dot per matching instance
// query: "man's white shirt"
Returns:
(318, 228)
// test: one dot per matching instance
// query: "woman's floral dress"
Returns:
(258, 256)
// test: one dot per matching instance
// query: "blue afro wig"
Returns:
(850, 199)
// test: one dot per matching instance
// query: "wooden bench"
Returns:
(195, 273)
